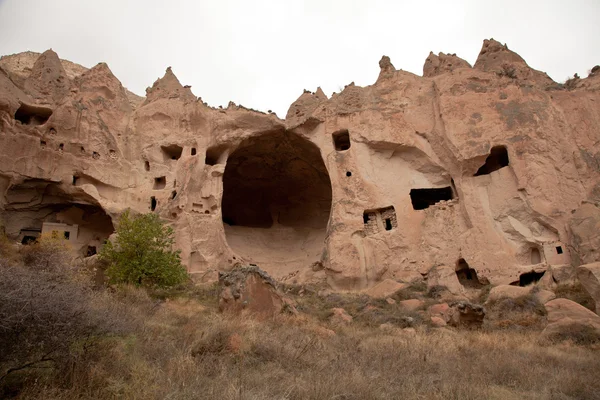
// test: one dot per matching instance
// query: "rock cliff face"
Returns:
(491, 170)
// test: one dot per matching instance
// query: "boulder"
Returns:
(385, 288)
(544, 296)
(445, 277)
(438, 322)
(563, 274)
(589, 276)
(506, 291)
(441, 310)
(339, 316)
(409, 276)
(252, 289)
(514, 292)
(569, 320)
(412, 304)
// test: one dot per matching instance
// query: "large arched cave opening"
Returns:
(276, 201)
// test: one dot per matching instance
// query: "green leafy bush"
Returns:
(142, 253)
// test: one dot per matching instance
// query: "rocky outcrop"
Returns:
(490, 171)
(253, 290)
(569, 320)
(589, 276)
(466, 315)
(442, 63)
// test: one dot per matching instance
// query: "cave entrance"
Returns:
(424, 198)
(29, 114)
(276, 200)
(497, 159)
(466, 275)
(529, 278)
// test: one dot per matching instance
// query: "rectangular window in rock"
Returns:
(160, 183)
(423, 198)
(379, 220)
(341, 140)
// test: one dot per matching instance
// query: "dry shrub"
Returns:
(51, 319)
(579, 334)
(576, 292)
(525, 312)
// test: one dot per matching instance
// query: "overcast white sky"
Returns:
(263, 53)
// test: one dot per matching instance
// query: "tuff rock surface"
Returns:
(495, 167)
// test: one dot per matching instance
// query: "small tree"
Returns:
(142, 253)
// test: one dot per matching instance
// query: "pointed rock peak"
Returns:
(169, 87)
(320, 94)
(386, 64)
(99, 81)
(496, 57)
(494, 54)
(48, 80)
(442, 63)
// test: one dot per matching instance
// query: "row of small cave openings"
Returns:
(467, 276)
(497, 159)
(213, 156)
(61, 148)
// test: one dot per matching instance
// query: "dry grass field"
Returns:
(60, 338)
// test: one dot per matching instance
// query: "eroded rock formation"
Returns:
(491, 171)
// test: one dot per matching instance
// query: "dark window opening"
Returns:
(424, 198)
(173, 194)
(497, 159)
(95, 155)
(174, 215)
(75, 179)
(536, 257)
(372, 218)
(160, 183)
(32, 115)
(530, 277)
(207, 212)
(43, 144)
(61, 147)
(388, 224)
(193, 152)
(348, 173)
(52, 131)
(82, 149)
(341, 140)
(559, 250)
(172, 152)
(67, 235)
(91, 250)
(214, 155)
(28, 240)
(466, 275)
(153, 203)
(147, 165)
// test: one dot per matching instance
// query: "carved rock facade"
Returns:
(491, 170)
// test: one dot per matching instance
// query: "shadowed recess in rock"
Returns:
(276, 198)
(33, 115)
(497, 159)
(423, 198)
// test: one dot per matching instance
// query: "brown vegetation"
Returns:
(59, 339)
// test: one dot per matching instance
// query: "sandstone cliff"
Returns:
(492, 168)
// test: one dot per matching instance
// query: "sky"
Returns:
(264, 53)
